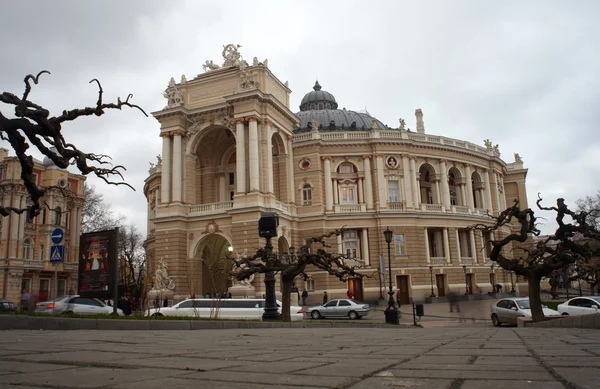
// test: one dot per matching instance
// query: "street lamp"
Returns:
(391, 315)
(466, 280)
(431, 276)
(267, 228)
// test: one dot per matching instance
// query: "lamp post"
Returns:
(466, 280)
(493, 278)
(391, 313)
(431, 276)
(267, 228)
(512, 284)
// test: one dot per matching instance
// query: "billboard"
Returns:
(98, 264)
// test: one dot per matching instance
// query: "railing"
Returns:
(345, 208)
(395, 205)
(392, 134)
(433, 207)
(221, 207)
(438, 260)
(33, 264)
(461, 209)
(467, 260)
(282, 207)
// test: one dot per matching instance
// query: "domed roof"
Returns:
(321, 106)
(312, 99)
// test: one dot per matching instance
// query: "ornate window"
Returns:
(347, 193)
(306, 194)
(400, 245)
(394, 191)
(346, 168)
(28, 248)
(350, 244)
(310, 284)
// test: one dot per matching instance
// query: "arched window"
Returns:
(43, 215)
(306, 194)
(57, 216)
(346, 168)
(28, 249)
(452, 189)
(476, 185)
(426, 186)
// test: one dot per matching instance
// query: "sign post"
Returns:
(56, 257)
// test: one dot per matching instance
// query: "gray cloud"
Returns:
(521, 73)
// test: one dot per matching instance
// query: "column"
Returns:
(408, 183)
(361, 194)
(381, 182)
(368, 182)
(177, 167)
(328, 188)
(222, 196)
(503, 196)
(269, 172)
(402, 191)
(292, 186)
(415, 184)
(436, 187)
(253, 149)
(165, 178)
(240, 157)
(427, 253)
(340, 249)
(458, 246)
(364, 240)
(22, 218)
(497, 193)
(5, 204)
(469, 185)
(336, 192)
(445, 188)
(462, 194)
(446, 244)
(472, 243)
(488, 190)
(14, 225)
(73, 233)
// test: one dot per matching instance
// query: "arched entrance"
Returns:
(208, 272)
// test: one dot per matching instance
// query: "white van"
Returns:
(244, 309)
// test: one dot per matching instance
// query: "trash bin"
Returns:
(420, 311)
(392, 316)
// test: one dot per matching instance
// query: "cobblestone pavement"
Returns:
(455, 357)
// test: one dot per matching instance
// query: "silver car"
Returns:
(338, 308)
(77, 305)
(508, 310)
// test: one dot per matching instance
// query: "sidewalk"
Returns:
(352, 358)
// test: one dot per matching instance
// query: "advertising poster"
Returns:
(97, 264)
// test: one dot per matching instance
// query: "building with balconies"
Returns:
(232, 148)
(25, 243)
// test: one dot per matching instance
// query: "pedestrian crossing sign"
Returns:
(56, 254)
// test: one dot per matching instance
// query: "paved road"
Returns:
(356, 358)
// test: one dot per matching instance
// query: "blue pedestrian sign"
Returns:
(57, 235)
(56, 254)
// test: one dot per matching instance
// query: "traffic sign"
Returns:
(57, 235)
(56, 254)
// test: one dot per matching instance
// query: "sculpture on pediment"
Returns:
(174, 96)
(374, 124)
(518, 158)
(209, 66)
(488, 144)
(402, 124)
(171, 82)
(255, 62)
(183, 79)
(314, 125)
(247, 81)
(151, 166)
(231, 55)
(158, 160)
(497, 148)
(265, 63)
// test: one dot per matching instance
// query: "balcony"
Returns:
(432, 207)
(467, 260)
(33, 264)
(211, 208)
(350, 208)
(461, 209)
(395, 206)
(438, 260)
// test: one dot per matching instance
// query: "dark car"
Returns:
(6, 306)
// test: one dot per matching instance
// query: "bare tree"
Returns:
(132, 257)
(541, 259)
(264, 262)
(591, 205)
(97, 215)
(33, 124)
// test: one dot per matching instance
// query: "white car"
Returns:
(508, 310)
(76, 305)
(339, 308)
(580, 306)
(240, 309)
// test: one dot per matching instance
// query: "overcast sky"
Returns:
(522, 73)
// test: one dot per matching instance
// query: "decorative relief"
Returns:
(211, 228)
(173, 95)
(305, 164)
(392, 162)
(247, 81)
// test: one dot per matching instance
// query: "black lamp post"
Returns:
(267, 228)
(466, 280)
(512, 284)
(431, 276)
(391, 314)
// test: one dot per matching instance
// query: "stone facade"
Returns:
(25, 245)
(232, 150)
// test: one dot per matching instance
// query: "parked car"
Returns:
(580, 306)
(509, 309)
(77, 305)
(240, 309)
(6, 306)
(339, 308)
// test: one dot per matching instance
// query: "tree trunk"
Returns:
(286, 289)
(535, 300)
